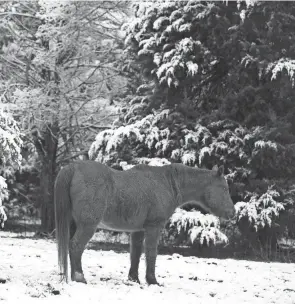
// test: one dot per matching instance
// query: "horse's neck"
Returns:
(192, 183)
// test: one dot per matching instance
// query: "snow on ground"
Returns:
(30, 269)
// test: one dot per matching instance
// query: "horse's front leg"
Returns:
(152, 235)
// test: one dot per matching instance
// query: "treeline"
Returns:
(201, 83)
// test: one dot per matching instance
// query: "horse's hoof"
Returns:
(79, 277)
(133, 278)
(152, 281)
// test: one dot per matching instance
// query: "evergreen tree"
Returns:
(216, 88)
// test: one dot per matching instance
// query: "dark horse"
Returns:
(90, 195)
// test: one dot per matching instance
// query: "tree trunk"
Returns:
(268, 239)
(46, 145)
(47, 177)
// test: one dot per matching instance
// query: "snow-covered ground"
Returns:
(29, 267)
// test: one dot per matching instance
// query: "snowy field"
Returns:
(28, 272)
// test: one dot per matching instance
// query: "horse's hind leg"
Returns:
(73, 228)
(83, 234)
(136, 241)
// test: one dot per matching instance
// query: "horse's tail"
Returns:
(63, 215)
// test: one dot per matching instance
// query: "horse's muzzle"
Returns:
(228, 215)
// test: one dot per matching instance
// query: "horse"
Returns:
(90, 195)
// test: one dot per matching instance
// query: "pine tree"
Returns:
(216, 88)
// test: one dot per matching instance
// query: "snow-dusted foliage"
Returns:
(157, 162)
(10, 155)
(224, 82)
(282, 64)
(3, 194)
(172, 62)
(128, 142)
(201, 228)
(243, 151)
(10, 140)
(260, 211)
(248, 2)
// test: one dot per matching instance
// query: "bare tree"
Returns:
(58, 61)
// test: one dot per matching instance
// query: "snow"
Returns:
(188, 157)
(30, 267)
(265, 144)
(192, 68)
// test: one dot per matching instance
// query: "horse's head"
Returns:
(217, 197)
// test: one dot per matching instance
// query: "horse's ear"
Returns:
(219, 170)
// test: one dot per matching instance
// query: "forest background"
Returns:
(123, 83)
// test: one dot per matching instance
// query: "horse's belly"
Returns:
(125, 219)
(120, 226)
(128, 209)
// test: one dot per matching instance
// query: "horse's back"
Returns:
(91, 168)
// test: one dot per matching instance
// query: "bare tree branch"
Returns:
(18, 14)
(27, 7)
(72, 156)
